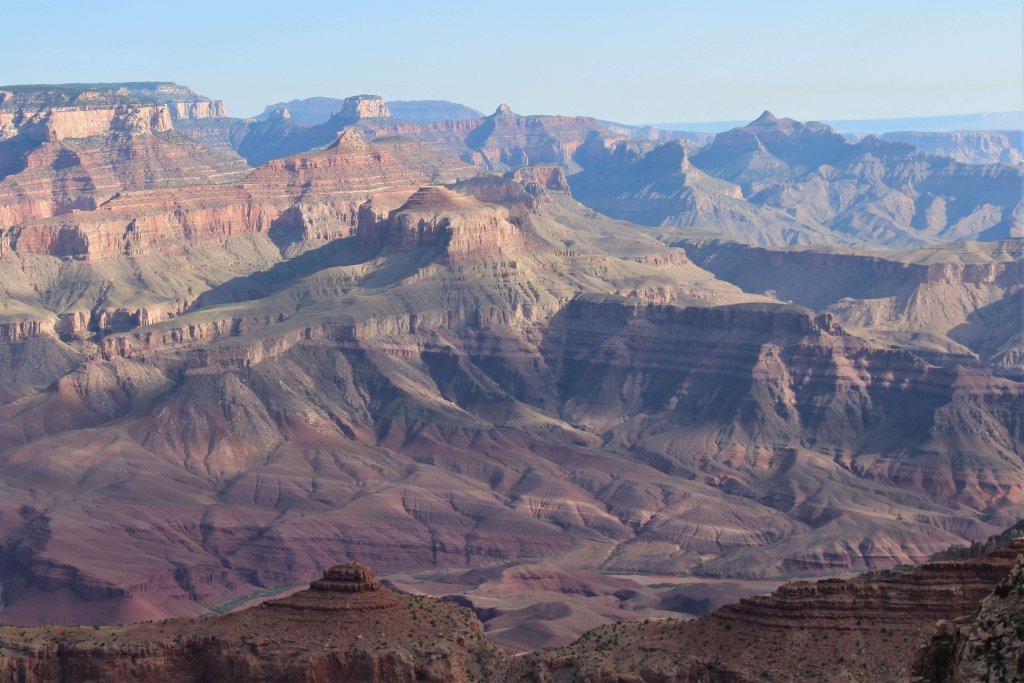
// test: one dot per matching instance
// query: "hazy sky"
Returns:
(630, 61)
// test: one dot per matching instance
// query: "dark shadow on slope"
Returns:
(14, 155)
(990, 332)
(286, 229)
(340, 252)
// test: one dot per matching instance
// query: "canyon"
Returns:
(543, 352)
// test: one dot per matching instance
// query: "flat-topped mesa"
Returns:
(351, 577)
(78, 110)
(360, 107)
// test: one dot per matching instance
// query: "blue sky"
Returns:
(629, 61)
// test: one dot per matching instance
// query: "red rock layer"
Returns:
(314, 196)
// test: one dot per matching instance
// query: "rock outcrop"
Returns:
(365, 107)
(435, 216)
(345, 627)
(986, 645)
(864, 629)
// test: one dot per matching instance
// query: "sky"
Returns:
(628, 61)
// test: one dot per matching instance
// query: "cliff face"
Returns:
(59, 123)
(79, 110)
(68, 149)
(986, 645)
(312, 197)
(962, 299)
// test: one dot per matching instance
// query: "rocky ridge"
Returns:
(985, 645)
(346, 626)
(867, 628)
(499, 142)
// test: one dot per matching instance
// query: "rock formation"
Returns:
(345, 627)
(315, 196)
(70, 148)
(370, 350)
(315, 110)
(499, 142)
(984, 646)
(347, 578)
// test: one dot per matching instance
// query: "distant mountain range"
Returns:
(315, 110)
(1005, 120)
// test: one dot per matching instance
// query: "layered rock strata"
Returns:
(868, 628)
